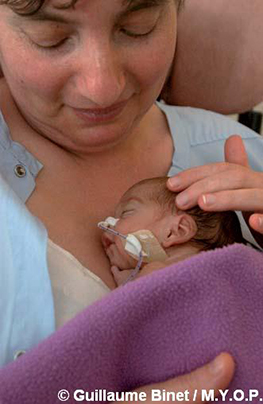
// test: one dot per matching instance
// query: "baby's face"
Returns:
(134, 213)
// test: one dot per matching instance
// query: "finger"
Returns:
(235, 151)
(237, 177)
(186, 178)
(241, 199)
(256, 222)
(116, 274)
(120, 276)
(149, 268)
(213, 376)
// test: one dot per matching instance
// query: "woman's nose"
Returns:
(101, 77)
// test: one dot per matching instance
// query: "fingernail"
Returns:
(182, 200)
(209, 199)
(217, 366)
(174, 182)
(260, 222)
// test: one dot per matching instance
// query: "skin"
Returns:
(211, 376)
(225, 75)
(95, 68)
(231, 185)
(136, 212)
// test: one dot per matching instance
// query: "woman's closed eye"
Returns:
(140, 24)
(48, 38)
(52, 45)
(137, 32)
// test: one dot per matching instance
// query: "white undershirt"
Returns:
(74, 287)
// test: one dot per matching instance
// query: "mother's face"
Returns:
(68, 68)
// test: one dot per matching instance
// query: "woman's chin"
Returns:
(101, 137)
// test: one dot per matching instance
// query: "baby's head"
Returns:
(149, 205)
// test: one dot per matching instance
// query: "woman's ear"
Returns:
(179, 229)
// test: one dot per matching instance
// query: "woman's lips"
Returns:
(98, 115)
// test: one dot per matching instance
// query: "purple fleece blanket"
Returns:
(152, 329)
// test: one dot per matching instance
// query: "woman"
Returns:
(78, 101)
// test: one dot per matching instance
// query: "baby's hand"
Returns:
(120, 276)
(149, 268)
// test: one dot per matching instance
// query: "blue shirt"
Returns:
(26, 305)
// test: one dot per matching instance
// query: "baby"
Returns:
(169, 235)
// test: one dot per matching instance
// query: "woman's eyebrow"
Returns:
(134, 5)
(43, 15)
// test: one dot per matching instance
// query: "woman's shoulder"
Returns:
(203, 126)
(199, 137)
(18, 167)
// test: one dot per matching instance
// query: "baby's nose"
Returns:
(107, 239)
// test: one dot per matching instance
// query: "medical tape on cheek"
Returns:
(131, 244)
(152, 250)
(141, 243)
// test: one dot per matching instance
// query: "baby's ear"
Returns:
(179, 229)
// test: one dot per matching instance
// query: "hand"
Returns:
(231, 185)
(120, 275)
(213, 376)
(151, 267)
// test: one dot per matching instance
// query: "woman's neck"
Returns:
(74, 193)
(132, 149)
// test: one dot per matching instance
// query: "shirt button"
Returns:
(20, 170)
(19, 353)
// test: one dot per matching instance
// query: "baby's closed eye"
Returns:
(126, 212)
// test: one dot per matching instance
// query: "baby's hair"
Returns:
(214, 229)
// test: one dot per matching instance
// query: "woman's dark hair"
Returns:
(30, 7)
